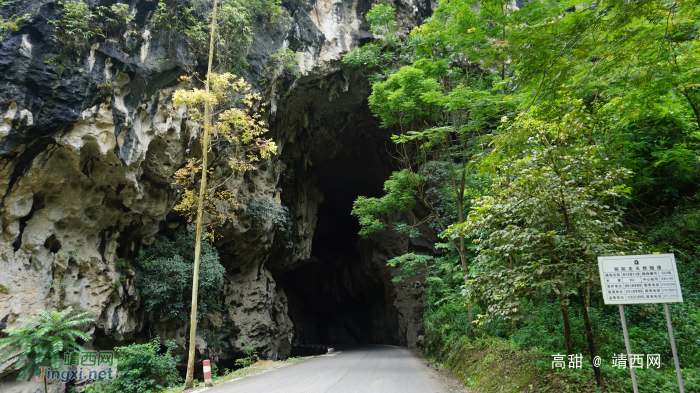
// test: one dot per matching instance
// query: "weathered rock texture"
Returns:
(85, 180)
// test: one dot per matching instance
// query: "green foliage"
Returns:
(265, 11)
(403, 98)
(388, 52)
(114, 19)
(551, 212)
(79, 24)
(411, 265)
(400, 196)
(165, 276)
(12, 24)
(234, 37)
(76, 26)
(545, 136)
(236, 21)
(446, 316)
(662, 149)
(106, 87)
(142, 369)
(211, 333)
(251, 354)
(121, 263)
(233, 33)
(286, 60)
(382, 19)
(369, 55)
(648, 54)
(42, 339)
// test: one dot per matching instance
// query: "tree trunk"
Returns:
(463, 260)
(567, 328)
(189, 379)
(591, 340)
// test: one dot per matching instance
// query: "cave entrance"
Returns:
(340, 295)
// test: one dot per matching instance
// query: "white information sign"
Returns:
(631, 279)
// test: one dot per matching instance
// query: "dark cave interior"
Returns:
(335, 298)
(339, 297)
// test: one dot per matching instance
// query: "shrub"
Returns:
(234, 32)
(141, 369)
(76, 27)
(265, 209)
(11, 24)
(165, 276)
(80, 25)
(251, 354)
(286, 60)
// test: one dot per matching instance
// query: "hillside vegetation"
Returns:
(534, 140)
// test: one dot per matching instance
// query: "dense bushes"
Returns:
(541, 334)
(141, 369)
(79, 23)
(165, 276)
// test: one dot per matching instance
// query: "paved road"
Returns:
(360, 369)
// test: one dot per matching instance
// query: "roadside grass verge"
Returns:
(257, 368)
(497, 365)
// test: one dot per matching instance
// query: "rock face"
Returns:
(85, 181)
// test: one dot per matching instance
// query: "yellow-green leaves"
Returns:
(236, 130)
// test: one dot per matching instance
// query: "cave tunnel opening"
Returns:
(340, 295)
(337, 297)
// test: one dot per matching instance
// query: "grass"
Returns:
(257, 368)
(498, 365)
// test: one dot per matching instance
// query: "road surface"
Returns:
(359, 369)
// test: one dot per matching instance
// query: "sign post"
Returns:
(635, 279)
(673, 348)
(629, 347)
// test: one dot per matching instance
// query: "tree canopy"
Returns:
(534, 139)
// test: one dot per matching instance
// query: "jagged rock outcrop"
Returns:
(86, 156)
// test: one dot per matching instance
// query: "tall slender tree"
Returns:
(232, 129)
(200, 208)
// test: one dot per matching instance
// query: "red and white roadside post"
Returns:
(207, 373)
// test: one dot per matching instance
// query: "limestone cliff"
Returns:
(85, 180)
